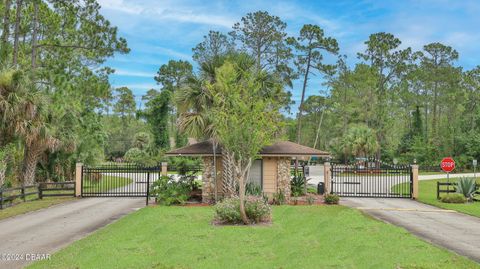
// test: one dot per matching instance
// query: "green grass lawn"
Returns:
(106, 183)
(428, 194)
(32, 206)
(300, 237)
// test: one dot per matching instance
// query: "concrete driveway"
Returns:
(47, 230)
(447, 228)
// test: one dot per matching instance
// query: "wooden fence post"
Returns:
(23, 193)
(78, 179)
(1, 199)
(164, 169)
(327, 178)
(415, 181)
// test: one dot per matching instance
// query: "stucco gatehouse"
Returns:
(271, 171)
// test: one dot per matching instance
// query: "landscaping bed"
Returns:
(299, 237)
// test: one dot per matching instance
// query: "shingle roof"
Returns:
(281, 148)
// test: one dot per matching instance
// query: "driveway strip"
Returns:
(40, 233)
(446, 228)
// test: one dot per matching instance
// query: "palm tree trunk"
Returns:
(30, 161)
(214, 145)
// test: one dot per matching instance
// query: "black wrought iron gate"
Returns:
(118, 180)
(372, 178)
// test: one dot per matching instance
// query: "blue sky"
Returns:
(160, 30)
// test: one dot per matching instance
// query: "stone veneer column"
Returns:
(208, 186)
(283, 176)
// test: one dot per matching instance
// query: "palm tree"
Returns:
(360, 141)
(195, 99)
(24, 111)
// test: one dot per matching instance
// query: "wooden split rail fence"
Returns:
(13, 196)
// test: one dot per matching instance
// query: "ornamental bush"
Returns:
(256, 208)
(455, 198)
(170, 192)
(331, 199)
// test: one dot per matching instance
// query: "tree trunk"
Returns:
(243, 172)
(17, 31)
(5, 33)
(3, 169)
(305, 79)
(30, 161)
(214, 145)
(317, 133)
(34, 34)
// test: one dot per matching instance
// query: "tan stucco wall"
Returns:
(269, 175)
(276, 176)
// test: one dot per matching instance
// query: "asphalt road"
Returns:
(446, 228)
(46, 231)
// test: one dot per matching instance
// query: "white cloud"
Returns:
(171, 53)
(130, 73)
(136, 86)
(168, 11)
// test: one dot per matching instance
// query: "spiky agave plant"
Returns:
(467, 187)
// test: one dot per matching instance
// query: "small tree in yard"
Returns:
(245, 122)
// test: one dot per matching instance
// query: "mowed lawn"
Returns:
(428, 194)
(107, 182)
(300, 237)
(32, 206)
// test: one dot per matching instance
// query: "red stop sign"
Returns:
(447, 164)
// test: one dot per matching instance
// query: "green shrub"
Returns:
(186, 168)
(455, 198)
(310, 200)
(257, 209)
(228, 211)
(311, 190)
(253, 189)
(467, 187)
(138, 156)
(297, 185)
(331, 199)
(279, 198)
(170, 192)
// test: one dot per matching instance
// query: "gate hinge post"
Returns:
(78, 179)
(414, 182)
(164, 169)
(327, 177)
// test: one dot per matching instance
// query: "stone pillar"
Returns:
(415, 181)
(283, 177)
(164, 171)
(78, 179)
(327, 177)
(208, 184)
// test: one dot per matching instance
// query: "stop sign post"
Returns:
(447, 165)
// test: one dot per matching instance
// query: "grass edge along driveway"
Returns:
(428, 195)
(300, 237)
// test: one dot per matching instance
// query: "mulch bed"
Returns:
(302, 200)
